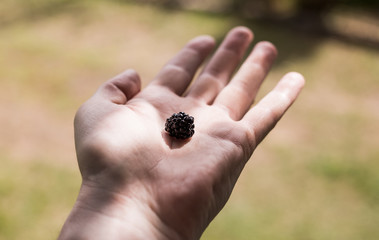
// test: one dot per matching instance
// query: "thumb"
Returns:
(121, 88)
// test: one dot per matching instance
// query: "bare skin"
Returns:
(139, 183)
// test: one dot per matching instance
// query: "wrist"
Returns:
(103, 214)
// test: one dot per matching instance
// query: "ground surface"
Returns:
(315, 177)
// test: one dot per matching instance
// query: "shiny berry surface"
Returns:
(180, 125)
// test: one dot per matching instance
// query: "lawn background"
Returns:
(315, 176)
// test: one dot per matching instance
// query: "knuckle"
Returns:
(249, 138)
(176, 71)
(270, 114)
(212, 80)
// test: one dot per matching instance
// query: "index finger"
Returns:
(179, 71)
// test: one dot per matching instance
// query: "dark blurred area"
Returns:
(354, 21)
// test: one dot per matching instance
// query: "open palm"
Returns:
(123, 149)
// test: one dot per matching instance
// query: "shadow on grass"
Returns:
(293, 44)
(297, 37)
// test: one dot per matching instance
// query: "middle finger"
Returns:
(218, 71)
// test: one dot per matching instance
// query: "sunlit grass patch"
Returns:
(360, 174)
(35, 198)
(80, 47)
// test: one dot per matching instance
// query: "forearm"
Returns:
(106, 215)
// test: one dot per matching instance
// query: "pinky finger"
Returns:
(264, 116)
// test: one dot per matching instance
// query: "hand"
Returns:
(140, 183)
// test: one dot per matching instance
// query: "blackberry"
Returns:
(180, 125)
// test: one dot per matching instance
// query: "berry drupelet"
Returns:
(180, 125)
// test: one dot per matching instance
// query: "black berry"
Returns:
(180, 125)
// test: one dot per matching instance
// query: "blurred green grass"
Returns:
(314, 177)
(35, 198)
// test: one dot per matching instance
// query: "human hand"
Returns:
(140, 183)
